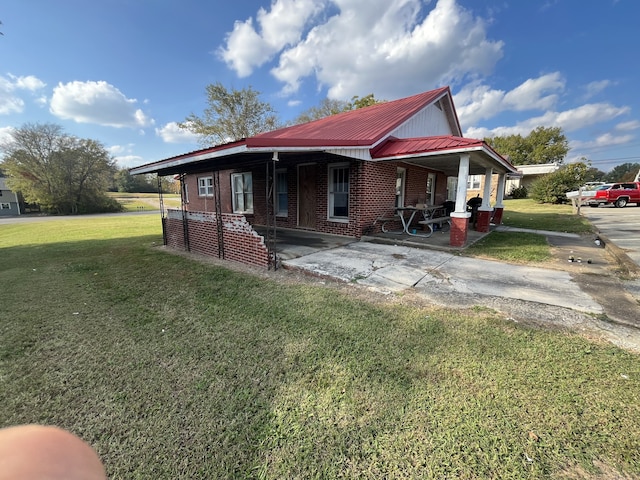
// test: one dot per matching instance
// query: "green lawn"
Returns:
(134, 202)
(525, 247)
(172, 368)
(526, 213)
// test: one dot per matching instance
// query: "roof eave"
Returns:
(186, 159)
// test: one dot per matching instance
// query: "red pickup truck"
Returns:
(620, 194)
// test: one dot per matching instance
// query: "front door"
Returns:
(307, 196)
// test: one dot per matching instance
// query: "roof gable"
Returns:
(362, 127)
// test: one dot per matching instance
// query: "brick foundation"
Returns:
(458, 234)
(497, 215)
(482, 220)
(241, 242)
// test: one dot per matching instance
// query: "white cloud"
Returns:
(96, 102)
(29, 83)
(119, 149)
(594, 88)
(604, 140)
(363, 47)
(569, 120)
(6, 134)
(628, 126)
(172, 133)
(283, 25)
(477, 102)
(10, 101)
(129, 161)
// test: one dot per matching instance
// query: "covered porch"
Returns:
(458, 159)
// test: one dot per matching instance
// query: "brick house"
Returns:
(335, 175)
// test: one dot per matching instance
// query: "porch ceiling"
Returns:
(449, 163)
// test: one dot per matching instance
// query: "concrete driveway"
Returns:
(621, 226)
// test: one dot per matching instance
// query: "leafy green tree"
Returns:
(552, 188)
(366, 101)
(125, 182)
(593, 174)
(326, 108)
(61, 173)
(231, 115)
(330, 107)
(542, 145)
(623, 173)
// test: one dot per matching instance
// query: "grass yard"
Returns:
(526, 213)
(524, 247)
(172, 368)
(133, 202)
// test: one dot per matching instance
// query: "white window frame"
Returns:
(205, 186)
(247, 192)
(430, 188)
(282, 189)
(452, 188)
(332, 192)
(5, 206)
(474, 182)
(401, 183)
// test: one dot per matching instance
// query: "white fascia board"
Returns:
(306, 149)
(149, 168)
(346, 151)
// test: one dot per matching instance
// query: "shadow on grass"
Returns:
(176, 369)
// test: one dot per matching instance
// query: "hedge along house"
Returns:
(336, 175)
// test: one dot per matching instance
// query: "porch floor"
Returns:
(293, 243)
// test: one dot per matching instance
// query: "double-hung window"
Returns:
(242, 191)
(473, 182)
(282, 200)
(339, 191)
(205, 186)
(401, 177)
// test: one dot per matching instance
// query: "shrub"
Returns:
(552, 188)
(519, 192)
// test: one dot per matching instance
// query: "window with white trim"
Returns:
(401, 175)
(242, 192)
(282, 191)
(5, 206)
(339, 191)
(473, 182)
(205, 186)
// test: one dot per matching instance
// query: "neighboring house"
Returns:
(529, 174)
(9, 201)
(335, 175)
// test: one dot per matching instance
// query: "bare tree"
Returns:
(231, 115)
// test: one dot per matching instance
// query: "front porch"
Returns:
(292, 243)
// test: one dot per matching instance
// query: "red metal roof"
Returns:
(394, 147)
(361, 127)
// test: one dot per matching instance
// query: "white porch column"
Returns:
(486, 194)
(463, 179)
(502, 181)
(460, 217)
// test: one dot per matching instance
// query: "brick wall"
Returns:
(198, 203)
(371, 188)
(241, 242)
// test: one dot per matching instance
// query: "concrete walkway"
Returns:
(389, 268)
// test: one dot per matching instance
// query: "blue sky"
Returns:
(123, 72)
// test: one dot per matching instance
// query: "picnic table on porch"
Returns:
(431, 215)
